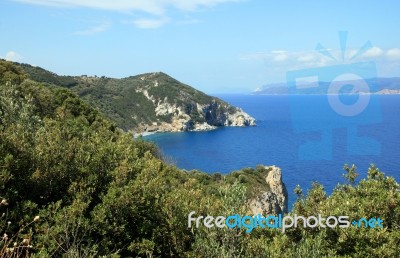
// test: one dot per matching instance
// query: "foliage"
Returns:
(73, 185)
(10, 73)
(131, 102)
(41, 75)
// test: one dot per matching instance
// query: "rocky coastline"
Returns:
(208, 117)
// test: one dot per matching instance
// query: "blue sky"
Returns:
(217, 46)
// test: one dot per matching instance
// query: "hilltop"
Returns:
(148, 102)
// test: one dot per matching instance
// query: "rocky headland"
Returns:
(273, 201)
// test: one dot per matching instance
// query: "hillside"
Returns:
(148, 102)
(72, 185)
(376, 86)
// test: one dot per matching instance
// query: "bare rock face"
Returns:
(240, 118)
(217, 115)
(274, 201)
(209, 117)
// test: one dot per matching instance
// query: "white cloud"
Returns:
(373, 52)
(13, 56)
(293, 60)
(190, 21)
(150, 6)
(350, 53)
(193, 5)
(150, 23)
(254, 56)
(309, 59)
(279, 51)
(279, 55)
(154, 7)
(96, 29)
(279, 62)
(306, 57)
(393, 53)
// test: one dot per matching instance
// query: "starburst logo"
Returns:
(343, 46)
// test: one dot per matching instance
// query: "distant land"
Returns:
(151, 102)
(376, 86)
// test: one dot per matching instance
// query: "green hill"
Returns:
(73, 185)
(148, 102)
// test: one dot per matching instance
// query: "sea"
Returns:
(310, 137)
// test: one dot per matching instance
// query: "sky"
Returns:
(217, 46)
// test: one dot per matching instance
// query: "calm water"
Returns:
(286, 126)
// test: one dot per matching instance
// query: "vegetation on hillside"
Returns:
(124, 100)
(74, 185)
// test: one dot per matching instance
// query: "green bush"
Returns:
(74, 185)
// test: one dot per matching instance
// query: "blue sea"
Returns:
(305, 135)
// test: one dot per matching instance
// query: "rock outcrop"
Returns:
(274, 201)
(198, 117)
(215, 115)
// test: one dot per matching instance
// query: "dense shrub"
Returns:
(74, 185)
